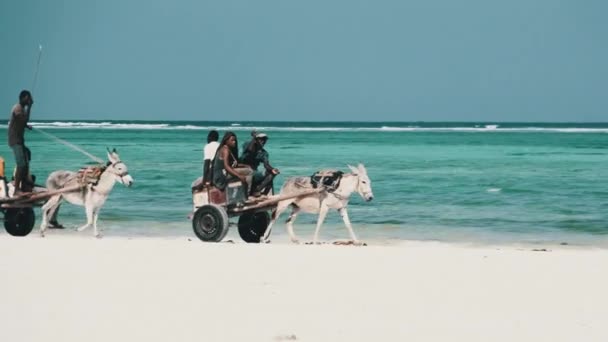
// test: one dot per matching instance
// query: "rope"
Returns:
(66, 143)
(72, 146)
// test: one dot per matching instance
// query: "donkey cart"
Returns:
(18, 211)
(214, 207)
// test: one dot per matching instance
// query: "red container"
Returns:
(216, 196)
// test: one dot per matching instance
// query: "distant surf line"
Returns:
(241, 127)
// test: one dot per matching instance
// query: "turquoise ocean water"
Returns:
(456, 182)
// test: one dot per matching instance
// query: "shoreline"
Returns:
(281, 238)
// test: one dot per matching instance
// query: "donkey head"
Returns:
(364, 186)
(118, 169)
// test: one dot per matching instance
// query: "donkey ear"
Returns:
(361, 168)
(114, 150)
(353, 169)
(112, 157)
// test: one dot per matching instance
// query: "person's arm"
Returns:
(27, 115)
(20, 117)
(267, 165)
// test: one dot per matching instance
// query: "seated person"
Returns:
(225, 165)
(253, 155)
(208, 155)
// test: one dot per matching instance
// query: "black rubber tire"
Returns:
(210, 223)
(252, 226)
(19, 221)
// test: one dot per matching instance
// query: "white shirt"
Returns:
(210, 149)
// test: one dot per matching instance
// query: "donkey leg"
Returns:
(89, 211)
(344, 213)
(322, 213)
(47, 209)
(275, 215)
(54, 212)
(290, 221)
(98, 233)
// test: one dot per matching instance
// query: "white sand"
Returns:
(66, 288)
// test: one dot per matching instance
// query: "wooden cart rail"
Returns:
(273, 200)
(29, 198)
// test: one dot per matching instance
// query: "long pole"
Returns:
(37, 68)
(72, 146)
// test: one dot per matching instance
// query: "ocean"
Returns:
(478, 183)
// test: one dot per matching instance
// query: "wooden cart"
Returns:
(213, 208)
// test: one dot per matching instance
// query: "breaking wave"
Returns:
(303, 128)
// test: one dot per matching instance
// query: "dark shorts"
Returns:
(20, 156)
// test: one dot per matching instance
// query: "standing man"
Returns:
(253, 155)
(20, 116)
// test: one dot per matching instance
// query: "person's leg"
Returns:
(265, 185)
(27, 183)
(54, 212)
(248, 173)
(257, 179)
(21, 163)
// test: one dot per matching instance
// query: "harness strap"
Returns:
(90, 175)
(330, 180)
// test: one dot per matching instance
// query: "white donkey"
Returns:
(321, 202)
(92, 196)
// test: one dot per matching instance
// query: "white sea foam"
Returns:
(61, 124)
(239, 127)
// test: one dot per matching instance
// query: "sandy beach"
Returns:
(77, 288)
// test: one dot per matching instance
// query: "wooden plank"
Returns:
(36, 196)
(20, 205)
(272, 200)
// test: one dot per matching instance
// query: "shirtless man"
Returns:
(20, 115)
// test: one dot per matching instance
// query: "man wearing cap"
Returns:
(253, 155)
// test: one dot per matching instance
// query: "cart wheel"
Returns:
(210, 223)
(19, 221)
(252, 226)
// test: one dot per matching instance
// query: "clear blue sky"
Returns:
(399, 60)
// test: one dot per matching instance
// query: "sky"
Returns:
(314, 60)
